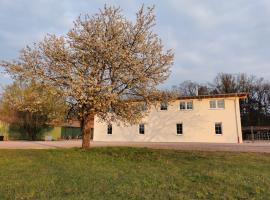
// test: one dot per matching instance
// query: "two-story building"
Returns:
(207, 118)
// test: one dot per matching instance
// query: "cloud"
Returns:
(207, 36)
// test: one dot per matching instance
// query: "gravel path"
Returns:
(263, 147)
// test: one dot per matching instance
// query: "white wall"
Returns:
(198, 125)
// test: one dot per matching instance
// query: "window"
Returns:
(212, 103)
(218, 128)
(109, 129)
(189, 105)
(163, 106)
(179, 129)
(186, 105)
(182, 105)
(141, 128)
(217, 103)
(221, 103)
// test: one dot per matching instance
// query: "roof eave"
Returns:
(238, 95)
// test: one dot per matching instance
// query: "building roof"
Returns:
(213, 96)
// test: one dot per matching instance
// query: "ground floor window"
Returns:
(109, 129)
(179, 129)
(141, 128)
(218, 128)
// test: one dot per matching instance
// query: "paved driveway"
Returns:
(263, 147)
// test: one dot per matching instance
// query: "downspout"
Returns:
(236, 120)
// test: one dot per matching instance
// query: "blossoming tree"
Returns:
(104, 63)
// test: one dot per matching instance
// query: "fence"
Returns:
(256, 133)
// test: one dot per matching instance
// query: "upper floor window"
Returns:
(218, 128)
(212, 103)
(182, 105)
(141, 128)
(163, 106)
(221, 103)
(109, 129)
(217, 103)
(186, 105)
(189, 105)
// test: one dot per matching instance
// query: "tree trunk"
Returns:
(86, 131)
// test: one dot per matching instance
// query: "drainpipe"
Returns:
(236, 120)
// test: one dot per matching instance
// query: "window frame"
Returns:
(109, 129)
(191, 105)
(221, 128)
(210, 104)
(177, 128)
(142, 129)
(183, 103)
(218, 105)
(163, 106)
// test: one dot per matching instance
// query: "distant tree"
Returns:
(190, 88)
(258, 103)
(105, 62)
(204, 90)
(31, 106)
(224, 83)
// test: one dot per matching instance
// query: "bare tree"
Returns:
(190, 88)
(105, 62)
(224, 83)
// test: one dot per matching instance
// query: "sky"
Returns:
(206, 36)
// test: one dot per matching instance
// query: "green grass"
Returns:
(130, 173)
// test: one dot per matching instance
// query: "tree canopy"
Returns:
(31, 106)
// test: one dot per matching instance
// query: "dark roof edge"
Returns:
(212, 96)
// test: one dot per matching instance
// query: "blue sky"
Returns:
(207, 36)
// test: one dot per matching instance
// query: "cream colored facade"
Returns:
(198, 124)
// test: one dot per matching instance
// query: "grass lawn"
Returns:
(130, 173)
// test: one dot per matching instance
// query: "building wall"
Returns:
(198, 125)
(4, 130)
(53, 132)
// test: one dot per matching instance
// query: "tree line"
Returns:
(255, 110)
